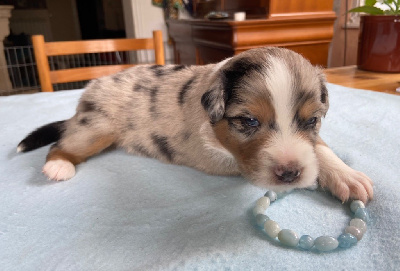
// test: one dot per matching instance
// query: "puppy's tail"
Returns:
(42, 136)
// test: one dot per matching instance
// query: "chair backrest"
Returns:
(43, 50)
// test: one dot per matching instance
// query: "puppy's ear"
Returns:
(324, 92)
(213, 100)
(228, 78)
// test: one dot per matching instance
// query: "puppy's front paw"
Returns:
(347, 184)
(59, 170)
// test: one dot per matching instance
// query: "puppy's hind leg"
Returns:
(73, 149)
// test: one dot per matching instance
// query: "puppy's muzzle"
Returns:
(287, 173)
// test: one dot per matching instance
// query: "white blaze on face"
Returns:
(286, 146)
(280, 84)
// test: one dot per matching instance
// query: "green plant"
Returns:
(369, 7)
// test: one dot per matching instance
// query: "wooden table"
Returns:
(198, 42)
(304, 26)
(350, 76)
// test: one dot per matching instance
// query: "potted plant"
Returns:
(379, 40)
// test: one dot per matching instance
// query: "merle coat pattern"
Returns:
(257, 114)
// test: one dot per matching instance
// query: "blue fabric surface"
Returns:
(122, 212)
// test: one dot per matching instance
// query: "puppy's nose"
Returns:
(287, 174)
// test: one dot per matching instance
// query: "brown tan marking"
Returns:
(258, 107)
(246, 152)
(77, 156)
(309, 109)
(262, 109)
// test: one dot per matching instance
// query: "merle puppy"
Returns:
(257, 114)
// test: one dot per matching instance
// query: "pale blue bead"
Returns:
(288, 237)
(261, 219)
(362, 214)
(347, 240)
(355, 204)
(271, 195)
(326, 243)
(306, 242)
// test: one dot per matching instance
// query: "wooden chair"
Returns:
(43, 50)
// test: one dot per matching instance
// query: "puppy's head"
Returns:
(265, 106)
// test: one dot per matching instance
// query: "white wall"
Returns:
(141, 18)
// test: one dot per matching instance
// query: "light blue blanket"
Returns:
(122, 212)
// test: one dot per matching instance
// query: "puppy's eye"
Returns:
(311, 122)
(252, 122)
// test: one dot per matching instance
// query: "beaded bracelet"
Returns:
(352, 235)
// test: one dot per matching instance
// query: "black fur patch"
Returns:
(186, 136)
(142, 150)
(231, 78)
(178, 67)
(212, 105)
(131, 126)
(233, 75)
(117, 78)
(324, 93)
(43, 136)
(84, 121)
(153, 94)
(159, 70)
(235, 100)
(184, 89)
(87, 106)
(140, 87)
(153, 101)
(163, 146)
(137, 87)
(206, 99)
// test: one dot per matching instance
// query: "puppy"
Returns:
(257, 114)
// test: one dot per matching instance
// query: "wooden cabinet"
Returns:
(303, 26)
